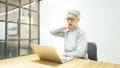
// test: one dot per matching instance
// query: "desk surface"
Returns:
(32, 61)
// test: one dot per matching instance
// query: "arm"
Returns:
(58, 32)
(81, 47)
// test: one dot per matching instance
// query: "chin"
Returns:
(70, 27)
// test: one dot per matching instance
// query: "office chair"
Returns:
(92, 51)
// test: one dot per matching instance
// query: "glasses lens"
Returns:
(71, 19)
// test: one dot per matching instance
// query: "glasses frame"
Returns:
(71, 19)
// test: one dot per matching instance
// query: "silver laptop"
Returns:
(49, 53)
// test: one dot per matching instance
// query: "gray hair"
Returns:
(75, 13)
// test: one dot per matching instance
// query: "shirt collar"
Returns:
(73, 29)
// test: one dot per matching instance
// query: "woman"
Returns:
(75, 42)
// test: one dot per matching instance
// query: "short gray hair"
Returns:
(75, 13)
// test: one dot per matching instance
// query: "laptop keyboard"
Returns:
(63, 58)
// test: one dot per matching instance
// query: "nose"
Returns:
(69, 21)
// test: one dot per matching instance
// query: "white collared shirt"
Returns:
(75, 41)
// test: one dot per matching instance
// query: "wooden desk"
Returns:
(32, 61)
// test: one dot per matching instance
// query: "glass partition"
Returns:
(2, 11)
(2, 49)
(19, 27)
(24, 16)
(12, 31)
(14, 2)
(13, 13)
(24, 31)
(12, 48)
(34, 18)
(24, 48)
(2, 30)
(34, 32)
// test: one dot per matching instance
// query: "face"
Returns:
(72, 21)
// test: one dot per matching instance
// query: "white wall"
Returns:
(100, 19)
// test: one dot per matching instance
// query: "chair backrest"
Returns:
(92, 51)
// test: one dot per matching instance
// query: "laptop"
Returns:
(49, 53)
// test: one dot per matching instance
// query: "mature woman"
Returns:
(75, 42)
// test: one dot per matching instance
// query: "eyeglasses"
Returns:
(71, 19)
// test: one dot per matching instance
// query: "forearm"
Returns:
(75, 54)
(58, 31)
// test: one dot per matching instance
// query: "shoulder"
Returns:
(81, 33)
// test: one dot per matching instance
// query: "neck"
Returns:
(73, 28)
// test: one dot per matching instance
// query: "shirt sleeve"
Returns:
(58, 32)
(81, 47)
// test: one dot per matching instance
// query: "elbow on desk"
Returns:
(75, 54)
(79, 54)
